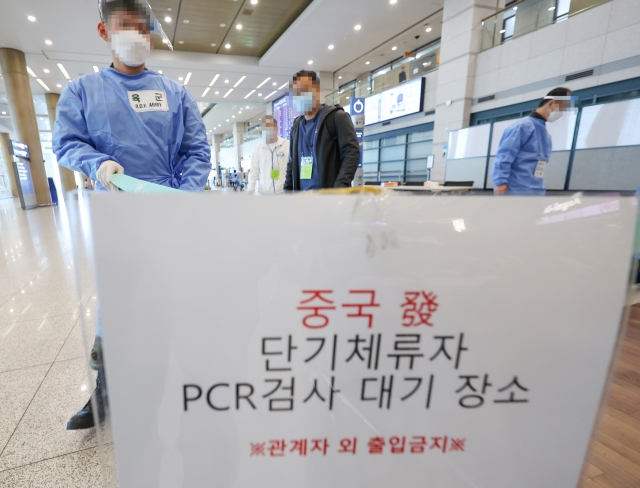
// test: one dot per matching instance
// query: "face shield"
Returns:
(151, 24)
(563, 105)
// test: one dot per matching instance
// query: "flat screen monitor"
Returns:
(283, 113)
(404, 99)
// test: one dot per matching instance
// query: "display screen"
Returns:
(401, 100)
(283, 113)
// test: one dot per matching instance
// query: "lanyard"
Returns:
(309, 141)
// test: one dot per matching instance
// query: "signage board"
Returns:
(403, 99)
(20, 149)
(26, 191)
(283, 113)
(356, 110)
(387, 340)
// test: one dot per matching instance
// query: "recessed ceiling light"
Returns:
(219, 125)
(180, 78)
(503, 31)
(59, 85)
(213, 44)
(233, 116)
(167, 19)
(254, 2)
(260, 85)
(369, 88)
(4, 113)
(227, 46)
(95, 69)
(428, 29)
(358, 27)
(239, 26)
(64, 71)
(42, 83)
(394, 48)
(368, 62)
(274, 83)
(551, 9)
(180, 42)
(339, 77)
(186, 21)
(217, 93)
(309, 62)
(48, 42)
(46, 70)
(393, 2)
(223, 25)
(331, 46)
(31, 18)
(247, 106)
(515, 8)
(227, 120)
(348, 98)
(160, 71)
(259, 94)
(226, 81)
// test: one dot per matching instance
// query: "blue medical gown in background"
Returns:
(96, 122)
(523, 144)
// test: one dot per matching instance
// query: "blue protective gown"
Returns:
(96, 122)
(523, 144)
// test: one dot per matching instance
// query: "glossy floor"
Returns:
(47, 306)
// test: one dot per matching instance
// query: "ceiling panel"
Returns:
(207, 26)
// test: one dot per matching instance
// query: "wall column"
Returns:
(238, 134)
(460, 45)
(7, 160)
(23, 117)
(67, 178)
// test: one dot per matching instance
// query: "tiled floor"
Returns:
(43, 374)
(44, 378)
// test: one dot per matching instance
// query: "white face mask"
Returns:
(131, 47)
(303, 103)
(555, 115)
(268, 134)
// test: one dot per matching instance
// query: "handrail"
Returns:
(504, 10)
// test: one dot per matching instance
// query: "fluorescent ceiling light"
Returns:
(250, 93)
(30, 71)
(284, 86)
(43, 84)
(503, 31)
(64, 71)
(186, 80)
(271, 94)
(260, 85)
(239, 81)
(228, 93)
(96, 69)
(204, 94)
(215, 78)
(551, 9)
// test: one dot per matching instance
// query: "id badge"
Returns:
(275, 174)
(540, 168)
(307, 168)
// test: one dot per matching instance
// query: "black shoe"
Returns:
(84, 418)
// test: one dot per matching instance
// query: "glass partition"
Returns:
(526, 16)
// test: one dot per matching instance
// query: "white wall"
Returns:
(605, 34)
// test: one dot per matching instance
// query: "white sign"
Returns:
(404, 99)
(148, 101)
(385, 340)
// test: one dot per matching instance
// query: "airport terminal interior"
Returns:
(469, 104)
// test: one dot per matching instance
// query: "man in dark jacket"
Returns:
(324, 150)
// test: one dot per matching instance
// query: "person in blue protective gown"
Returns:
(126, 119)
(129, 120)
(525, 147)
